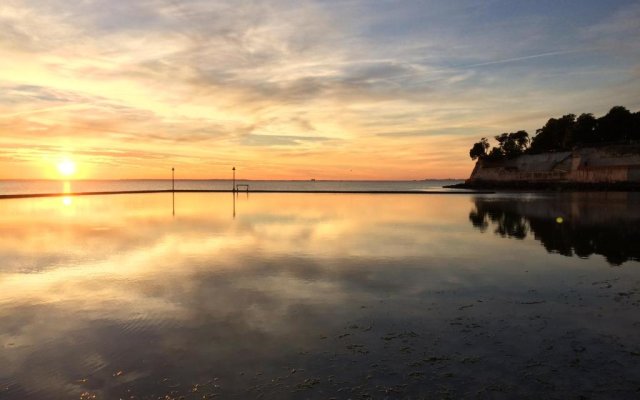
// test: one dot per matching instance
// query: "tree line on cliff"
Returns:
(619, 126)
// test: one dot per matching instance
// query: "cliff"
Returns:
(614, 166)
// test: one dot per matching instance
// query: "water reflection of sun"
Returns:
(66, 188)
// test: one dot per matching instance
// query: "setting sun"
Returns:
(67, 167)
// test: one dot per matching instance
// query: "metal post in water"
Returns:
(234, 179)
(173, 179)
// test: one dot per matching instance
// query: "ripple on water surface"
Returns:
(319, 296)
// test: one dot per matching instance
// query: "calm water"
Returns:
(320, 296)
(52, 186)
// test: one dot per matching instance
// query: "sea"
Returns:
(55, 186)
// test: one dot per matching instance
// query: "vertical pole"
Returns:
(173, 191)
(234, 179)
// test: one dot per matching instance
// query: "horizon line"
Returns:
(230, 180)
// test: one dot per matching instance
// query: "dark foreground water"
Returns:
(320, 296)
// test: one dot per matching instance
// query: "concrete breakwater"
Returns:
(607, 166)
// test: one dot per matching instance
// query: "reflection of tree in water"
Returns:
(615, 238)
(508, 223)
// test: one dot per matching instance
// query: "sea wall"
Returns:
(601, 165)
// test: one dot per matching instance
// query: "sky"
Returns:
(297, 89)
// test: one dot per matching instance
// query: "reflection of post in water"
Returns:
(235, 196)
(580, 224)
(173, 191)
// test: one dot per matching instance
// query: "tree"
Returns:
(635, 133)
(556, 134)
(616, 126)
(479, 150)
(584, 130)
(522, 140)
(495, 154)
(560, 134)
(502, 140)
(513, 144)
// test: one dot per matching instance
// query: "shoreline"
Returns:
(36, 195)
(548, 186)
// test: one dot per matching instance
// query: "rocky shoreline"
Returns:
(547, 186)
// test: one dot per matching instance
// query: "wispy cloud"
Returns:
(279, 140)
(41, 110)
(523, 58)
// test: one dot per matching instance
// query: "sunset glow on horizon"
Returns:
(296, 90)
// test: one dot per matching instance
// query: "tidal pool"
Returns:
(320, 296)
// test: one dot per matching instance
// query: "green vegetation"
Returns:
(618, 126)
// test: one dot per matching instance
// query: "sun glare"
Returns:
(67, 167)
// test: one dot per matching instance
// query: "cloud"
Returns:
(217, 82)
(279, 140)
(522, 58)
(622, 24)
(417, 133)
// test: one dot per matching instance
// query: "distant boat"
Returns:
(313, 179)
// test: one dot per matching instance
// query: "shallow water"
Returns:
(320, 296)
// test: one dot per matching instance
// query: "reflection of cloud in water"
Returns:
(579, 224)
(299, 296)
